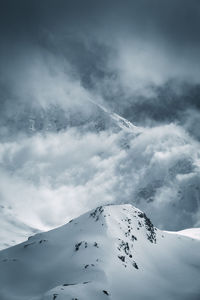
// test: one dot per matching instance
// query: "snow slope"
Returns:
(112, 252)
(191, 232)
(13, 231)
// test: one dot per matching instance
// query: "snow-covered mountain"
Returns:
(13, 230)
(112, 252)
(30, 119)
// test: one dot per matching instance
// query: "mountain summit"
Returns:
(112, 252)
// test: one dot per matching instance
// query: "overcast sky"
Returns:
(140, 59)
(121, 49)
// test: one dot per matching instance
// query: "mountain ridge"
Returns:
(111, 252)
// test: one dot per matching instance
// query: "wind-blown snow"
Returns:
(111, 252)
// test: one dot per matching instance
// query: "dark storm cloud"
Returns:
(141, 57)
(177, 20)
(65, 25)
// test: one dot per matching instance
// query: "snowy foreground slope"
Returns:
(113, 252)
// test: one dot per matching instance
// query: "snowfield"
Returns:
(112, 252)
(191, 232)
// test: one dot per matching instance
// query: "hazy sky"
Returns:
(139, 59)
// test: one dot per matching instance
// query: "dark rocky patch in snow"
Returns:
(105, 292)
(97, 212)
(151, 230)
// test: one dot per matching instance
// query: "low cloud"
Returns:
(63, 175)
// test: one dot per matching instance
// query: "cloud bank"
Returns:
(60, 153)
(63, 175)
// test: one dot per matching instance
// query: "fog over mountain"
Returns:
(99, 104)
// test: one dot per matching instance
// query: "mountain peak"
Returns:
(109, 252)
(127, 218)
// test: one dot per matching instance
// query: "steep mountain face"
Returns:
(112, 252)
(30, 119)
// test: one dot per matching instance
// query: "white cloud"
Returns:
(58, 176)
(51, 179)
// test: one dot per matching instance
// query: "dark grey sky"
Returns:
(142, 58)
(134, 45)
